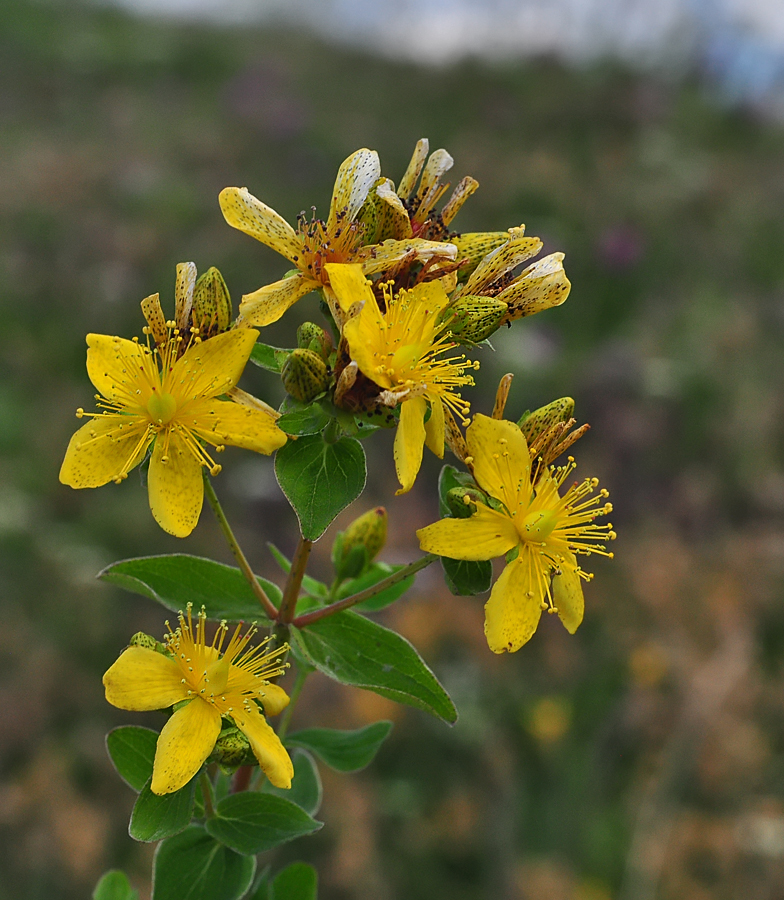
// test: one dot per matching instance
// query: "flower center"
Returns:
(161, 408)
(538, 525)
(217, 675)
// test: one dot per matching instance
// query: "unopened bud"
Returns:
(305, 375)
(312, 337)
(473, 319)
(140, 639)
(232, 749)
(462, 501)
(532, 424)
(356, 547)
(211, 304)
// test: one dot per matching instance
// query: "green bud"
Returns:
(473, 319)
(140, 639)
(311, 337)
(462, 501)
(305, 375)
(356, 547)
(532, 424)
(211, 304)
(232, 749)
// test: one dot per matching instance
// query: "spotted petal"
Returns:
(175, 486)
(410, 442)
(502, 260)
(245, 212)
(114, 366)
(267, 748)
(380, 257)
(184, 744)
(515, 606)
(541, 286)
(434, 428)
(211, 367)
(356, 176)
(486, 535)
(142, 679)
(350, 285)
(274, 699)
(568, 594)
(501, 460)
(409, 179)
(103, 449)
(269, 303)
(238, 425)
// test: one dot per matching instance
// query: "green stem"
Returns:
(294, 582)
(258, 590)
(206, 793)
(317, 614)
(296, 690)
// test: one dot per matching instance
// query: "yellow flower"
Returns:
(315, 243)
(399, 350)
(211, 685)
(546, 530)
(167, 399)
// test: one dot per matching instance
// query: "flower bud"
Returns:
(462, 501)
(232, 749)
(474, 318)
(211, 304)
(356, 547)
(311, 337)
(305, 375)
(532, 424)
(140, 639)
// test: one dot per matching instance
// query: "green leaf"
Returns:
(320, 479)
(345, 751)
(309, 419)
(269, 358)
(449, 478)
(262, 889)
(155, 817)
(193, 866)
(176, 579)
(132, 750)
(305, 788)
(252, 822)
(465, 578)
(115, 886)
(375, 573)
(298, 881)
(354, 650)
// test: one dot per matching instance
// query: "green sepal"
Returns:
(114, 885)
(157, 816)
(305, 790)
(270, 358)
(194, 866)
(354, 650)
(174, 580)
(303, 418)
(344, 751)
(251, 822)
(464, 578)
(298, 881)
(320, 479)
(131, 749)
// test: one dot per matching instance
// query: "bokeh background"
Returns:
(642, 758)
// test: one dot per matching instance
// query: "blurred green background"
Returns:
(642, 758)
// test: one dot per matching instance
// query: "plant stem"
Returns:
(206, 793)
(241, 780)
(317, 614)
(258, 590)
(296, 690)
(294, 582)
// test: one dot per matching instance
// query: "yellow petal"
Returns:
(243, 211)
(267, 748)
(501, 461)
(515, 606)
(274, 699)
(184, 744)
(461, 193)
(382, 256)
(103, 449)
(394, 214)
(434, 428)
(568, 594)
(409, 179)
(356, 176)
(439, 163)
(114, 366)
(502, 260)
(212, 367)
(225, 422)
(349, 284)
(153, 313)
(269, 303)
(475, 245)
(409, 442)
(175, 487)
(541, 286)
(485, 535)
(142, 679)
